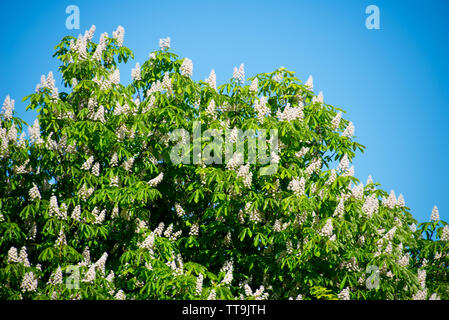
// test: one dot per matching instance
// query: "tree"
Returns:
(93, 206)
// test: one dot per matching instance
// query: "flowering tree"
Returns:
(92, 205)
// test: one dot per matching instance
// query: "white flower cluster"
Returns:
(179, 210)
(96, 169)
(35, 132)
(239, 74)
(332, 177)
(199, 285)
(120, 295)
(99, 216)
(80, 46)
(314, 165)
(135, 73)
(328, 230)
(298, 186)
(90, 275)
(212, 80)
(29, 282)
(319, 98)
(404, 261)
(186, 67)
(166, 83)
(371, 205)
(12, 255)
(85, 192)
(349, 131)
(344, 294)
(291, 113)
(76, 213)
(100, 47)
(390, 202)
(420, 295)
(128, 164)
(228, 268)
(56, 277)
(309, 83)
(8, 108)
(88, 163)
(340, 209)
(344, 164)
(164, 43)
(212, 295)
(260, 106)
(194, 230)
(435, 216)
(357, 191)
(155, 181)
(61, 240)
(235, 161)
(34, 193)
(445, 234)
(119, 35)
(247, 176)
(400, 203)
(336, 121)
(301, 153)
(259, 294)
(48, 83)
(254, 85)
(254, 214)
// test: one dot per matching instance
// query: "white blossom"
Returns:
(96, 169)
(194, 230)
(23, 257)
(119, 35)
(29, 282)
(12, 255)
(199, 285)
(340, 209)
(34, 193)
(164, 43)
(89, 277)
(239, 74)
(298, 186)
(309, 83)
(336, 121)
(344, 294)
(254, 85)
(76, 213)
(155, 181)
(445, 234)
(88, 163)
(327, 230)
(135, 73)
(391, 201)
(349, 131)
(290, 113)
(211, 110)
(244, 173)
(56, 277)
(186, 67)
(400, 202)
(212, 80)
(301, 153)
(435, 216)
(8, 108)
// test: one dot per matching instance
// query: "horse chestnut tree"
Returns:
(92, 205)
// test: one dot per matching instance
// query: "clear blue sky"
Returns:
(392, 82)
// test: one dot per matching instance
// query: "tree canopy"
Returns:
(92, 205)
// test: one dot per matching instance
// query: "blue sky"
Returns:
(392, 82)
